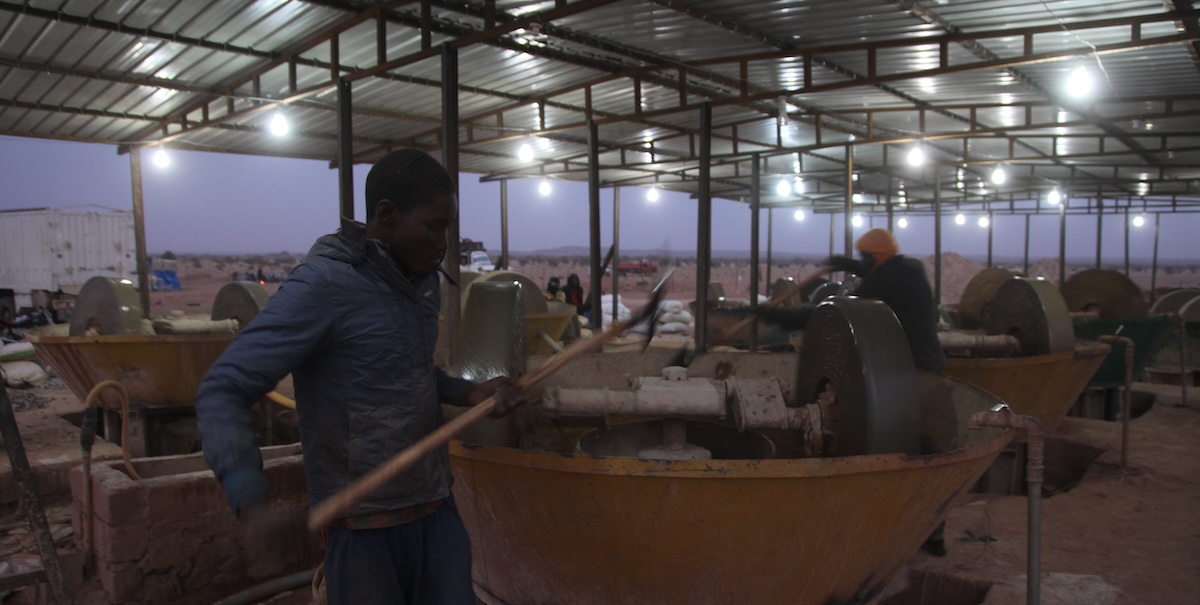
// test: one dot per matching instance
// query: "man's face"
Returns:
(417, 240)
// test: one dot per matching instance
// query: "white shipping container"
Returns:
(60, 249)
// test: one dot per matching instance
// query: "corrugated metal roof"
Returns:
(978, 81)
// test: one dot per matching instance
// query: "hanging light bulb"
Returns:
(783, 188)
(916, 156)
(525, 152)
(857, 198)
(161, 159)
(999, 176)
(961, 219)
(1139, 221)
(857, 220)
(1054, 197)
(279, 124)
(798, 186)
(902, 223)
(544, 187)
(984, 222)
(1079, 83)
(798, 215)
(652, 195)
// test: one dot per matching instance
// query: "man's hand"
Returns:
(282, 531)
(507, 397)
(844, 263)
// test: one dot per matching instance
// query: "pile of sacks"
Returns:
(673, 317)
(19, 367)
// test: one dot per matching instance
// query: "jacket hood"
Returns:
(348, 245)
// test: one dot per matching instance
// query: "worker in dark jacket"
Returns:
(902, 284)
(356, 324)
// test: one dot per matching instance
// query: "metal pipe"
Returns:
(139, 231)
(832, 231)
(755, 205)
(990, 230)
(593, 171)
(504, 263)
(1128, 391)
(703, 227)
(1025, 266)
(1183, 362)
(1062, 240)
(1127, 241)
(1154, 262)
(992, 345)
(1099, 229)
(937, 237)
(345, 126)
(770, 232)
(1034, 469)
(891, 214)
(616, 253)
(453, 318)
(847, 228)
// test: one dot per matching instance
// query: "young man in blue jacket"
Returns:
(356, 324)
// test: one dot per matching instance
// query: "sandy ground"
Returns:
(1135, 530)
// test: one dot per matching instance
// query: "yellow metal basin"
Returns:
(1043, 386)
(566, 528)
(156, 371)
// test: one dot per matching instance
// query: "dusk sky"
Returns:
(225, 203)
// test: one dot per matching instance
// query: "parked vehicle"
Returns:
(473, 257)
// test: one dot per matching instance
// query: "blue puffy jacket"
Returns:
(358, 338)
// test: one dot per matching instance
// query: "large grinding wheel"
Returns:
(106, 306)
(825, 290)
(532, 297)
(979, 293)
(857, 349)
(1106, 292)
(240, 300)
(1033, 311)
(1173, 301)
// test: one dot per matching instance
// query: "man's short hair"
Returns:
(406, 178)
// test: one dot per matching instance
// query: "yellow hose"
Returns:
(89, 428)
(91, 399)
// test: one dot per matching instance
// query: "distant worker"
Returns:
(901, 283)
(554, 290)
(575, 295)
(355, 324)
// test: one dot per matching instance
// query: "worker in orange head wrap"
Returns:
(901, 283)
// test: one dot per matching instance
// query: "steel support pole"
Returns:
(1062, 241)
(1099, 229)
(990, 229)
(595, 283)
(504, 262)
(770, 233)
(1025, 265)
(755, 201)
(704, 228)
(1127, 241)
(890, 212)
(1154, 262)
(832, 231)
(616, 251)
(139, 231)
(937, 237)
(345, 128)
(453, 304)
(849, 228)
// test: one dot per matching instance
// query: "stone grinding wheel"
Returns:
(1033, 311)
(240, 300)
(1174, 301)
(532, 297)
(108, 306)
(980, 292)
(857, 347)
(825, 290)
(1190, 311)
(1105, 291)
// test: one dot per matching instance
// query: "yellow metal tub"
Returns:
(1043, 386)
(555, 528)
(159, 371)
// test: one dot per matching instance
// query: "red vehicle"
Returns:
(641, 267)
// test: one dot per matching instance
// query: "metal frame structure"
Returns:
(717, 98)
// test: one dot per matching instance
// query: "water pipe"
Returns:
(1125, 406)
(87, 437)
(1002, 417)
